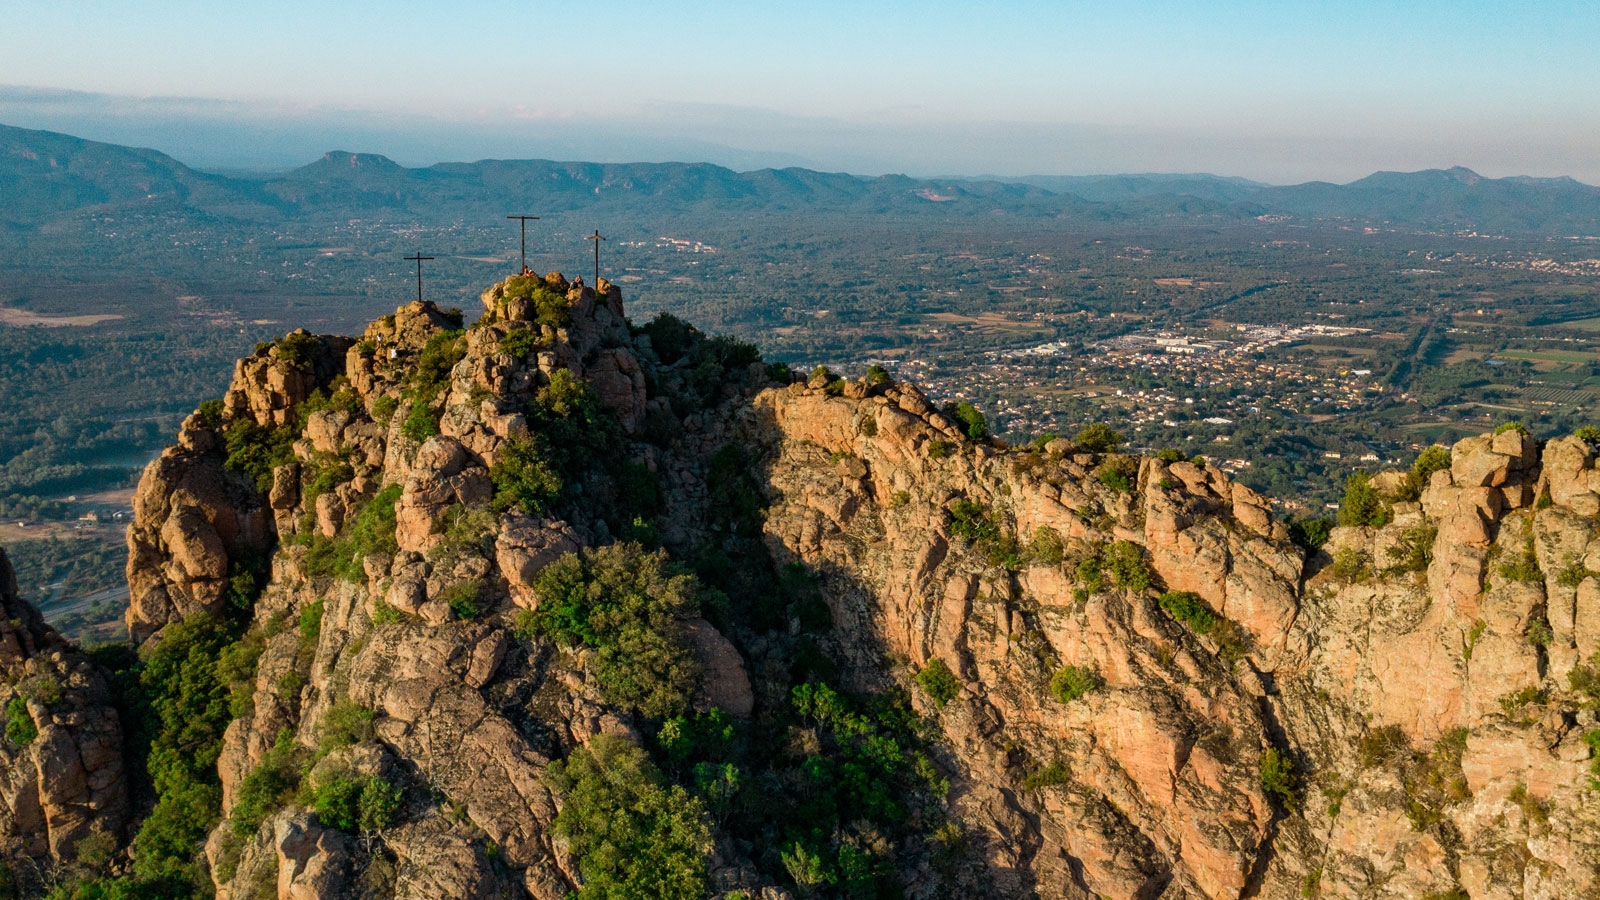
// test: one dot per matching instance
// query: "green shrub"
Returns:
(1171, 455)
(1382, 745)
(1524, 566)
(1278, 778)
(210, 413)
(1098, 438)
(938, 682)
(1588, 434)
(1188, 608)
(973, 423)
(465, 599)
(297, 349)
(1055, 774)
(378, 806)
(877, 375)
(1518, 427)
(421, 422)
(519, 342)
(629, 605)
(1073, 682)
(1310, 534)
(1584, 679)
(439, 355)
(1091, 574)
(343, 724)
(371, 532)
(1046, 548)
(1432, 459)
(1414, 552)
(1574, 572)
(1124, 560)
(1591, 738)
(267, 788)
(342, 399)
(939, 449)
(20, 728)
(549, 305)
(972, 521)
(383, 409)
(311, 622)
(632, 834)
(356, 805)
(523, 478)
(1350, 565)
(1361, 504)
(1539, 633)
(255, 450)
(1118, 473)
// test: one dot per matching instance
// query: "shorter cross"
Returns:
(419, 258)
(597, 239)
(524, 240)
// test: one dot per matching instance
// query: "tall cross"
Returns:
(419, 258)
(524, 239)
(597, 239)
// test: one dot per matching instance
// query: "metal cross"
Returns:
(419, 258)
(524, 239)
(597, 239)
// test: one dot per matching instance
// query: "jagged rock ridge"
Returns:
(1153, 691)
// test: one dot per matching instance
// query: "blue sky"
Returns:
(1276, 91)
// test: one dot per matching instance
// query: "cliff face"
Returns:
(1137, 685)
(62, 789)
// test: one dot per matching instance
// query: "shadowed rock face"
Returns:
(1387, 692)
(62, 782)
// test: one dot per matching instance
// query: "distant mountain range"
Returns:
(44, 175)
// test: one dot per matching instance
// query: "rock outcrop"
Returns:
(1137, 684)
(61, 765)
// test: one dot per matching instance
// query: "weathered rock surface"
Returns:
(1420, 693)
(61, 771)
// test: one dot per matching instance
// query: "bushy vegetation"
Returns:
(356, 805)
(520, 341)
(255, 450)
(1310, 534)
(430, 375)
(972, 521)
(549, 305)
(1187, 607)
(1524, 565)
(629, 605)
(938, 682)
(633, 834)
(269, 787)
(1124, 562)
(373, 531)
(1414, 552)
(1098, 437)
(1362, 506)
(1278, 778)
(523, 478)
(972, 422)
(20, 727)
(1073, 682)
(1119, 473)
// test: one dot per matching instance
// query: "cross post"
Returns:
(597, 238)
(524, 220)
(419, 258)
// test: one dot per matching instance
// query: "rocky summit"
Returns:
(558, 605)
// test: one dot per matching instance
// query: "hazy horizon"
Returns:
(1244, 89)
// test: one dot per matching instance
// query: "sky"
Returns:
(1280, 92)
